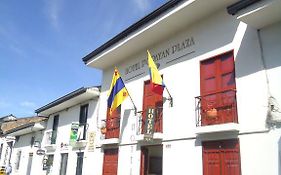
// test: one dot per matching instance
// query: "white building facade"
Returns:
(69, 137)
(25, 159)
(21, 140)
(220, 61)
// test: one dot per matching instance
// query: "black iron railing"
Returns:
(216, 108)
(112, 127)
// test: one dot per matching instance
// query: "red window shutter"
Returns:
(217, 86)
(113, 123)
(152, 100)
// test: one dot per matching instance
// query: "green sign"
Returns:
(74, 132)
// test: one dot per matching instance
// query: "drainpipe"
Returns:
(263, 63)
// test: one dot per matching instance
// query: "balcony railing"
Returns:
(158, 121)
(112, 127)
(216, 108)
(82, 131)
(51, 137)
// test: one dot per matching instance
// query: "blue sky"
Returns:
(42, 43)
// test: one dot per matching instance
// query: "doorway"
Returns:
(151, 160)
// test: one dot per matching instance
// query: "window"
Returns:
(113, 123)
(55, 129)
(63, 163)
(83, 122)
(18, 157)
(1, 149)
(29, 163)
(79, 163)
(152, 100)
(217, 89)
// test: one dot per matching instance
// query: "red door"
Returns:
(221, 157)
(217, 86)
(152, 100)
(110, 162)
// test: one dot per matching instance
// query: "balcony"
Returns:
(50, 140)
(216, 112)
(81, 141)
(110, 130)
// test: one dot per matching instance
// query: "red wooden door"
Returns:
(110, 162)
(221, 157)
(217, 86)
(152, 100)
(144, 161)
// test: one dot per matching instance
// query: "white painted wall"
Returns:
(66, 117)
(6, 150)
(270, 38)
(23, 144)
(214, 35)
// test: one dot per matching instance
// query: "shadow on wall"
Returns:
(248, 59)
(249, 53)
(125, 118)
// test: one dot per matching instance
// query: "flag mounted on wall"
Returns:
(117, 92)
(157, 84)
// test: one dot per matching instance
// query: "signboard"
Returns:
(40, 152)
(74, 132)
(149, 123)
(91, 141)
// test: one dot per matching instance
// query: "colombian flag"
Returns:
(157, 84)
(117, 92)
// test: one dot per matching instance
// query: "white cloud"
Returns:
(53, 8)
(143, 5)
(27, 104)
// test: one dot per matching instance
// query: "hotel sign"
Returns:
(149, 123)
(165, 54)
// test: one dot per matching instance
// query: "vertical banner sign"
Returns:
(149, 123)
(91, 141)
(74, 132)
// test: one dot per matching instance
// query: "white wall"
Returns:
(270, 39)
(214, 35)
(182, 77)
(24, 145)
(6, 150)
(66, 117)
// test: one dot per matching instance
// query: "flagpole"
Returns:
(135, 108)
(170, 97)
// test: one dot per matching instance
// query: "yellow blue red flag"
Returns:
(117, 92)
(157, 84)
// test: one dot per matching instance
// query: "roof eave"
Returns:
(242, 4)
(153, 15)
(67, 97)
